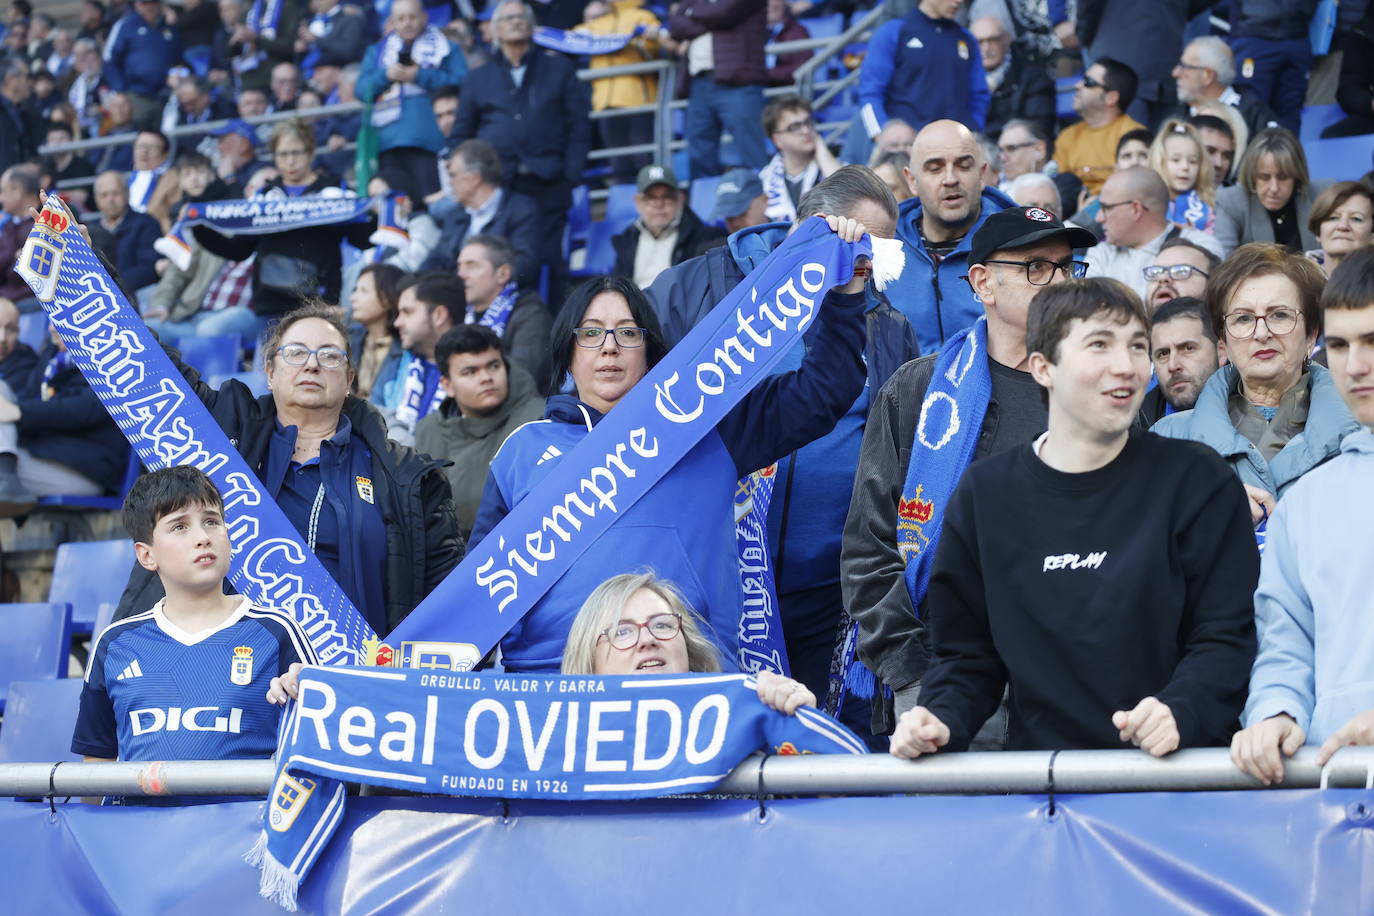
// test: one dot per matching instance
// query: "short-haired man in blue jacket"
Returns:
(141, 49)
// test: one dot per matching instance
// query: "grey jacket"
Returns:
(1242, 218)
(471, 442)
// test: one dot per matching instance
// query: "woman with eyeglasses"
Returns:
(291, 266)
(606, 338)
(1343, 221)
(1271, 412)
(377, 515)
(1272, 197)
(638, 623)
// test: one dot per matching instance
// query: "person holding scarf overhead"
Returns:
(607, 338)
(399, 73)
(377, 515)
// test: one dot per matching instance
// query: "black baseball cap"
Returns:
(1017, 227)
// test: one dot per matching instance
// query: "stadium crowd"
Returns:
(1155, 321)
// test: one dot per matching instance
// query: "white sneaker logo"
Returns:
(132, 671)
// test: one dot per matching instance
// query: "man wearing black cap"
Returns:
(893, 517)
(666, 233)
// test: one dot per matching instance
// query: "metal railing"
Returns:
(662, 146)
(980, 773)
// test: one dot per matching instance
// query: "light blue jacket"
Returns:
(1209, 422)
(416, 125)
(1316, 647)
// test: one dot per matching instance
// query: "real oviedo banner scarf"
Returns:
(510, 736)
(662, 418)
(169, 426)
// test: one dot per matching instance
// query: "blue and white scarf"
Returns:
(773, 176)
(659, 421)
(420, 393)
(946, 436)
(564, 738)
(265, 17)
(1189, 209)
(265, 214)
(761, 644)
(390, 233)
(428, 51)
(168, 426)
(497, 315)
(582, 43)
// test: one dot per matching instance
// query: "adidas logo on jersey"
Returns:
(133, 670)
(193, 719)
(549, 454)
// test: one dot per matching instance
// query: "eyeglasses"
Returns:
(1090, 83)
(1184, 65)
(1279, 321)
(593, 337)
(625, 634)
(1040, 271)
(1013, 147)
(1107, 208)
(1175, 271)
(798, 127)
(326, 357)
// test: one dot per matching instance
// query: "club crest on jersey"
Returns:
(1247, 68)
(289, 796)
(364, 485)
(963, 50)
(241, 666)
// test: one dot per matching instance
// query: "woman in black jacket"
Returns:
(290, 266)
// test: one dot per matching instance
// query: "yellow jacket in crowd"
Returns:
(624, 91)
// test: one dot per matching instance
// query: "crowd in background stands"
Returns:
(1182, 153)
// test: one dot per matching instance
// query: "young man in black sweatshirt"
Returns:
(1106, 576)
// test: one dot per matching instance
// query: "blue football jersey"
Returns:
(155, 692)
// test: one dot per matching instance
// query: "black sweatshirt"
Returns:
(1089, 592)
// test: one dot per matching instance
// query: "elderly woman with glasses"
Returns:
(606, 338)
(637, 623)
(377, 515)
(1271, 412)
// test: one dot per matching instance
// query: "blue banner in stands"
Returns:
(662, 418)
(168, 426)
(582, 43)
(1270, 852)
(511, 736)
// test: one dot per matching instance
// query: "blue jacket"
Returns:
(1209, 422)
(696, 549)
(1316, 648)
(138, 55)
(921, 70)
(131, 248)
(813, 485)
(937, 302)
(416, 126)
(70, 425)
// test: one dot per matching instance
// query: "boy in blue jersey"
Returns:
(188, 678)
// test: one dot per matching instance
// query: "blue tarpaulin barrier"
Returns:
(1273, 852)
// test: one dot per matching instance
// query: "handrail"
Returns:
(978, 773)
(805, 74)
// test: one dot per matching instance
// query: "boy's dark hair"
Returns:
(436, 288)
(193, 160)
(1185, 307)
(1119, 78)
(1140, 133)
(1055, 308)
(1352, 283)
(158, 494)
(576, 305)
(466, 338)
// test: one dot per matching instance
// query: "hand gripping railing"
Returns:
(979, 773)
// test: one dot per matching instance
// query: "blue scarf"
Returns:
(420, 393)
(761, 645)
(427, 51)
(660, 420)
(564, 738)
(263, 215)
(265, 17)
(582, 43)
(168, 426)
(1189, 209)
(946, 437)
(498, 313)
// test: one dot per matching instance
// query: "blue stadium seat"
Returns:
(87, 574)
(217, 355)
(703, 198)
(1340, 158)
(39, 719)
(37, 639)
(255, 380)
(1317, 118)
(110, 503)
(620, 208)
(579, 215)
(33, 329)
(600, 255)
(824, 26)
(682, 165)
